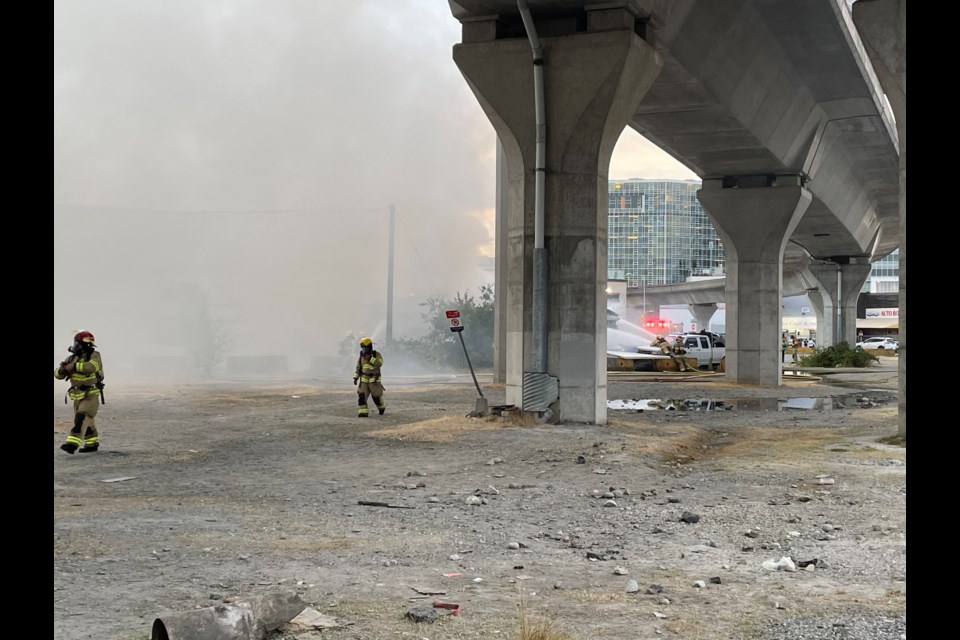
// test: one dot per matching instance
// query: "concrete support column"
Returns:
(500, 302)
(702, 313)
(593, 82)
(754, 216)
(824, 331)
(825, 275)
(882, 25)
(852, 277)
(839, 286)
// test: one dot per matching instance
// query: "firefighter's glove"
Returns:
(354, 381)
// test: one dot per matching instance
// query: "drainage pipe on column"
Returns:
(838, 332)
(539, 251)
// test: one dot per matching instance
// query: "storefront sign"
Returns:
(883, 313)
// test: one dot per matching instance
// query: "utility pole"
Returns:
(389, 337)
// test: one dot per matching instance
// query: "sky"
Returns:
(231, 166)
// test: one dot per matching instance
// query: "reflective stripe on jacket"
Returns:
(86, 374)
(368, 367)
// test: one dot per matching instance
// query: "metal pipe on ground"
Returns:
(247, 619)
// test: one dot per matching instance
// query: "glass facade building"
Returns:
(884, 275)
(659, 234)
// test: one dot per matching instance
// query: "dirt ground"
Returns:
(203, 493)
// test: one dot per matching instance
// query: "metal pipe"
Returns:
(249, 619)
(837, 334)
(539, 251)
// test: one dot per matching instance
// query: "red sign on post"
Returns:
(454, 316)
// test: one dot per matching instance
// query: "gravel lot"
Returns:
(203, 493)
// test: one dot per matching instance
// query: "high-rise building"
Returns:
(884, 275)
(659, 234)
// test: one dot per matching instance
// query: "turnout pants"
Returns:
(375, 391)
(84, 432)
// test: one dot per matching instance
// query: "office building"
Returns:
(884, 275)
(659, 234)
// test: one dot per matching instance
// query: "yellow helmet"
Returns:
(366, 342)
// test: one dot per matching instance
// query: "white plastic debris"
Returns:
(783, 564)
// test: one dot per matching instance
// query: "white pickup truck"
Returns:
(708, 355)
(703, 348)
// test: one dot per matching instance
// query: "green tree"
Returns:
(441, 346)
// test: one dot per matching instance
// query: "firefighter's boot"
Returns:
(381, 405)
(363, 411)
(73, 438)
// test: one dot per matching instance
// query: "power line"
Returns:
(135, 210)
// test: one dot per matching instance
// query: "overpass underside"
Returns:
(602, 69)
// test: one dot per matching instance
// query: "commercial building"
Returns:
(658, 233)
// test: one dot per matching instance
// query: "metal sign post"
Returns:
(456, 326)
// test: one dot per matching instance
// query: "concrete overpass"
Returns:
(774, 104)
(801, 276)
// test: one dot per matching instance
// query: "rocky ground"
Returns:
(683, 517)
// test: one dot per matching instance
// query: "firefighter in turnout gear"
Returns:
(83, 368)
(678, 352)
(367, 373)
(668, 349)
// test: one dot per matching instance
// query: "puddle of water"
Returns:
(740, 404)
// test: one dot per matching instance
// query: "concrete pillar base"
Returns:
(754, 217)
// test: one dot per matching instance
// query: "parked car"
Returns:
(880, 342)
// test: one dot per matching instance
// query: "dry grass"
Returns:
(894, 441)
(313, 544)
(445, 429)
(758, 447)
(523, 419)
(541, 629)
(746, 447)
(868, 452)
(673, 443)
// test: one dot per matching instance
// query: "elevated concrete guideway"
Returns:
(774, 104)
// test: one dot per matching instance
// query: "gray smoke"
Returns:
(224, 171)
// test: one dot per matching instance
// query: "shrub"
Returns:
(839, 355)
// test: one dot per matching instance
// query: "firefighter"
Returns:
(659, 341)
(367, 373)
(678, 346)
(669, 350)
(678, 353)
(84, 370)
